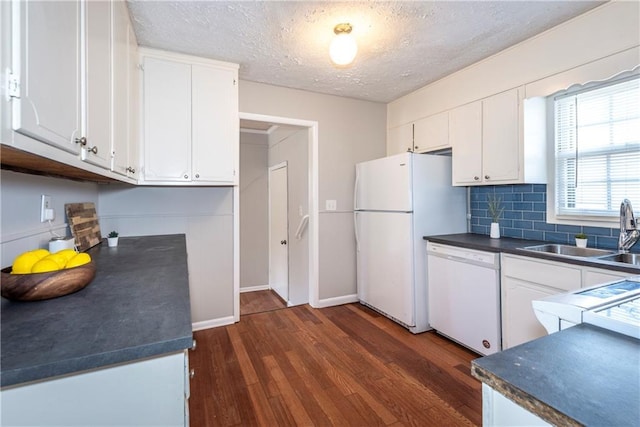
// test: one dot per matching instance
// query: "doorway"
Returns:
(301, 234)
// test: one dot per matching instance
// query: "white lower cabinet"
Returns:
(526, 279)
(497, 410)
(151, 392)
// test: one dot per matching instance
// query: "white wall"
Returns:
(599, 33)
(254, 232)
(292, 146)
(204, 215)
(349, 131)
(20, 226)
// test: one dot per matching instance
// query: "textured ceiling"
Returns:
(403, 45)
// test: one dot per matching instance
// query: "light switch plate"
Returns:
(46, 209)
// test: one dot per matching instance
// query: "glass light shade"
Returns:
(343, 49)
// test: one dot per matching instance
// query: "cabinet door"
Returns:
(519, 322)
(121, 88)
(48, 67)
(400, 139)
(500, 137)
(431, 133)
(98, 84)
(167, 120)
(214, 124)
(466, 143)
(134, 105)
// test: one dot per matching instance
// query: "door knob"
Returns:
(283, 242)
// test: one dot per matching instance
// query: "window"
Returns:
(597, 149)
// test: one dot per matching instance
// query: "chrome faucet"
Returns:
(629, 232)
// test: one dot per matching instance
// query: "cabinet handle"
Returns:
(416, 147)
(93, 149)
(476, 178)
(486, 177)
(130, 169)
(192, 373)
(197, 175)
(81, 141)
(194, 344)
(408, 150)
(186, 176)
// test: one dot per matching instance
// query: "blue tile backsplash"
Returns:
(525, 217)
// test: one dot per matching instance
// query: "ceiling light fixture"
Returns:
(343, 47)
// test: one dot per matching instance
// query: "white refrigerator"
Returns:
(397, 201)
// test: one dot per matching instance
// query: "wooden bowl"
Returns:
(39, 286)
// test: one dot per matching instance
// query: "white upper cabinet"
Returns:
(167, 120)
(97, 93)
(424, 135)
(191, 124)
(72, 79)
(400, 139)
(431, 133)
(493, 144)
(46, 71)
(466, 138)
(124, 93)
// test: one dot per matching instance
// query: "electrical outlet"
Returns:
(331, 205)
(46, 209)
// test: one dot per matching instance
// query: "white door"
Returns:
(215, 123)
(167, 120)
(278, 231)
(385, 184)
(48, 66)
(385, 263)
(97, 94)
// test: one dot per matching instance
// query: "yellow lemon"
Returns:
(78, 260)
(40, 253)
(58, 259)
(45, 265)
(24, 262)
(67, 254)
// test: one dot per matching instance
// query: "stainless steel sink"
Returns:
(626, 258)
(568, 250)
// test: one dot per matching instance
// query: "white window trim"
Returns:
(580, 220)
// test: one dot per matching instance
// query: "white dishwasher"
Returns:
(464, 296)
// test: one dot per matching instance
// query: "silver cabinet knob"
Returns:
(193, 345)
(408, 150)
(486, 177)
(81, 141)
(192, 373)
(476, 178)
(416, 147)
(93, 149)
(130, 169)
(197, 175)
(186, 176)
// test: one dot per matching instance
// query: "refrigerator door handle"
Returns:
(355, 228)
(355, 191)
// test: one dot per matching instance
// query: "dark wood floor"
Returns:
(259, 302)
(337, 366)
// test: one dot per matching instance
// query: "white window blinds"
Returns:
(597, 149)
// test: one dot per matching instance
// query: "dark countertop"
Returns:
(584, 375)
(510, 245)
(136, 307)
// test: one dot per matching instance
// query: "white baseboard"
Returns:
(213, 323)
(330, 302)
(254, 288)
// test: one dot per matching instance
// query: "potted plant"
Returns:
(581, 240)
(494, 208)
(112, 239)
